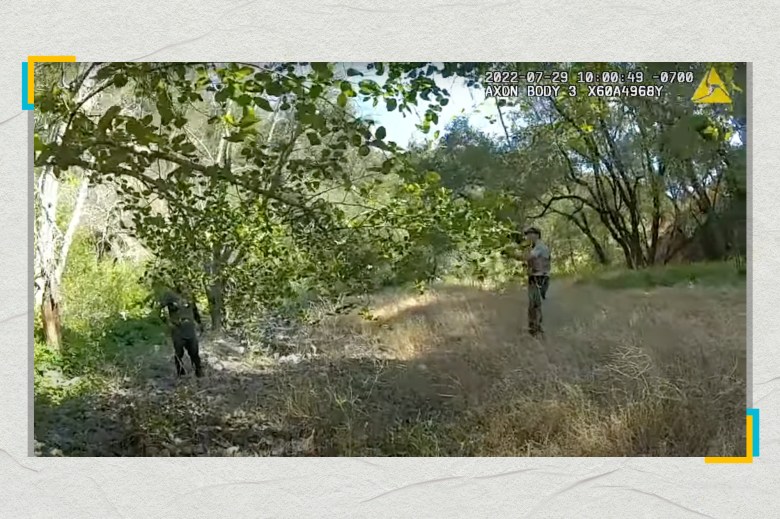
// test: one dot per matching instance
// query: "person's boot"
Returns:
(197, 367)
(180, 371)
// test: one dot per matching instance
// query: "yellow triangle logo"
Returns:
(711, 90)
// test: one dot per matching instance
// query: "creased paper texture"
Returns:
(384, 487)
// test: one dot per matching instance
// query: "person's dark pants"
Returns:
(189, 342)
(537, 292)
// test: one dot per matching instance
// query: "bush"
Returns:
(708, 274)
(104, 311)
(96, 291)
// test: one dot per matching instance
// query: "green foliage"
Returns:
(707, 274)
(96, 291)
(106, 311)
(235, 200)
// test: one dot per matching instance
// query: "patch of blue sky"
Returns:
(463, 102)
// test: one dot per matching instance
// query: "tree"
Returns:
(51, 245)
(264, 180)
(639, 165)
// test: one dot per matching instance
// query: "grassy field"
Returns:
(647, 363)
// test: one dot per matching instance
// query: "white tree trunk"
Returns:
(75, 219)
(51, 247)
(47, 252)
(48, 192)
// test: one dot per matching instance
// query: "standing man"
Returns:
(182, 318)
(537, 261)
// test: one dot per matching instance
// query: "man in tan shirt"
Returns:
(538, 262)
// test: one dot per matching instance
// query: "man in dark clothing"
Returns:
(183, 317)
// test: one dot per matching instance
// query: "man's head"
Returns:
(533, 234)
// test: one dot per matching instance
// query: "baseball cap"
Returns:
(534, 230)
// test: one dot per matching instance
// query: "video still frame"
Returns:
(390, 259)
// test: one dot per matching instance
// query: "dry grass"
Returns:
(657, 372)
(621, 372)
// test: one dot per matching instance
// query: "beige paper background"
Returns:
(360, 30)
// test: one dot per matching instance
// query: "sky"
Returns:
(463, 101)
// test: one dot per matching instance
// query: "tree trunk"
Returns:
(630, 264)
(638, 252)
(47, 230)
(73, 225)
(601, 254)
(52, 319)
(216, 305)
(51, 261)
(215, 291)
(572, 259)
(656, 224)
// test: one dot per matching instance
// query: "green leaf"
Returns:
(108, 118)
(221, 96)
(381, 133)
(314, 139)
(137, 130)
(314, 120)
(275, 89)
(187, 148)
(243, 72)
(105, 72)
(364, 151)
(353, 72)
(391, 104)
(320, 67)
(263, 103)
(248, 118)
(120, 80)
(315, 91)
(236, 137)
(164, 107)
(342, 100)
